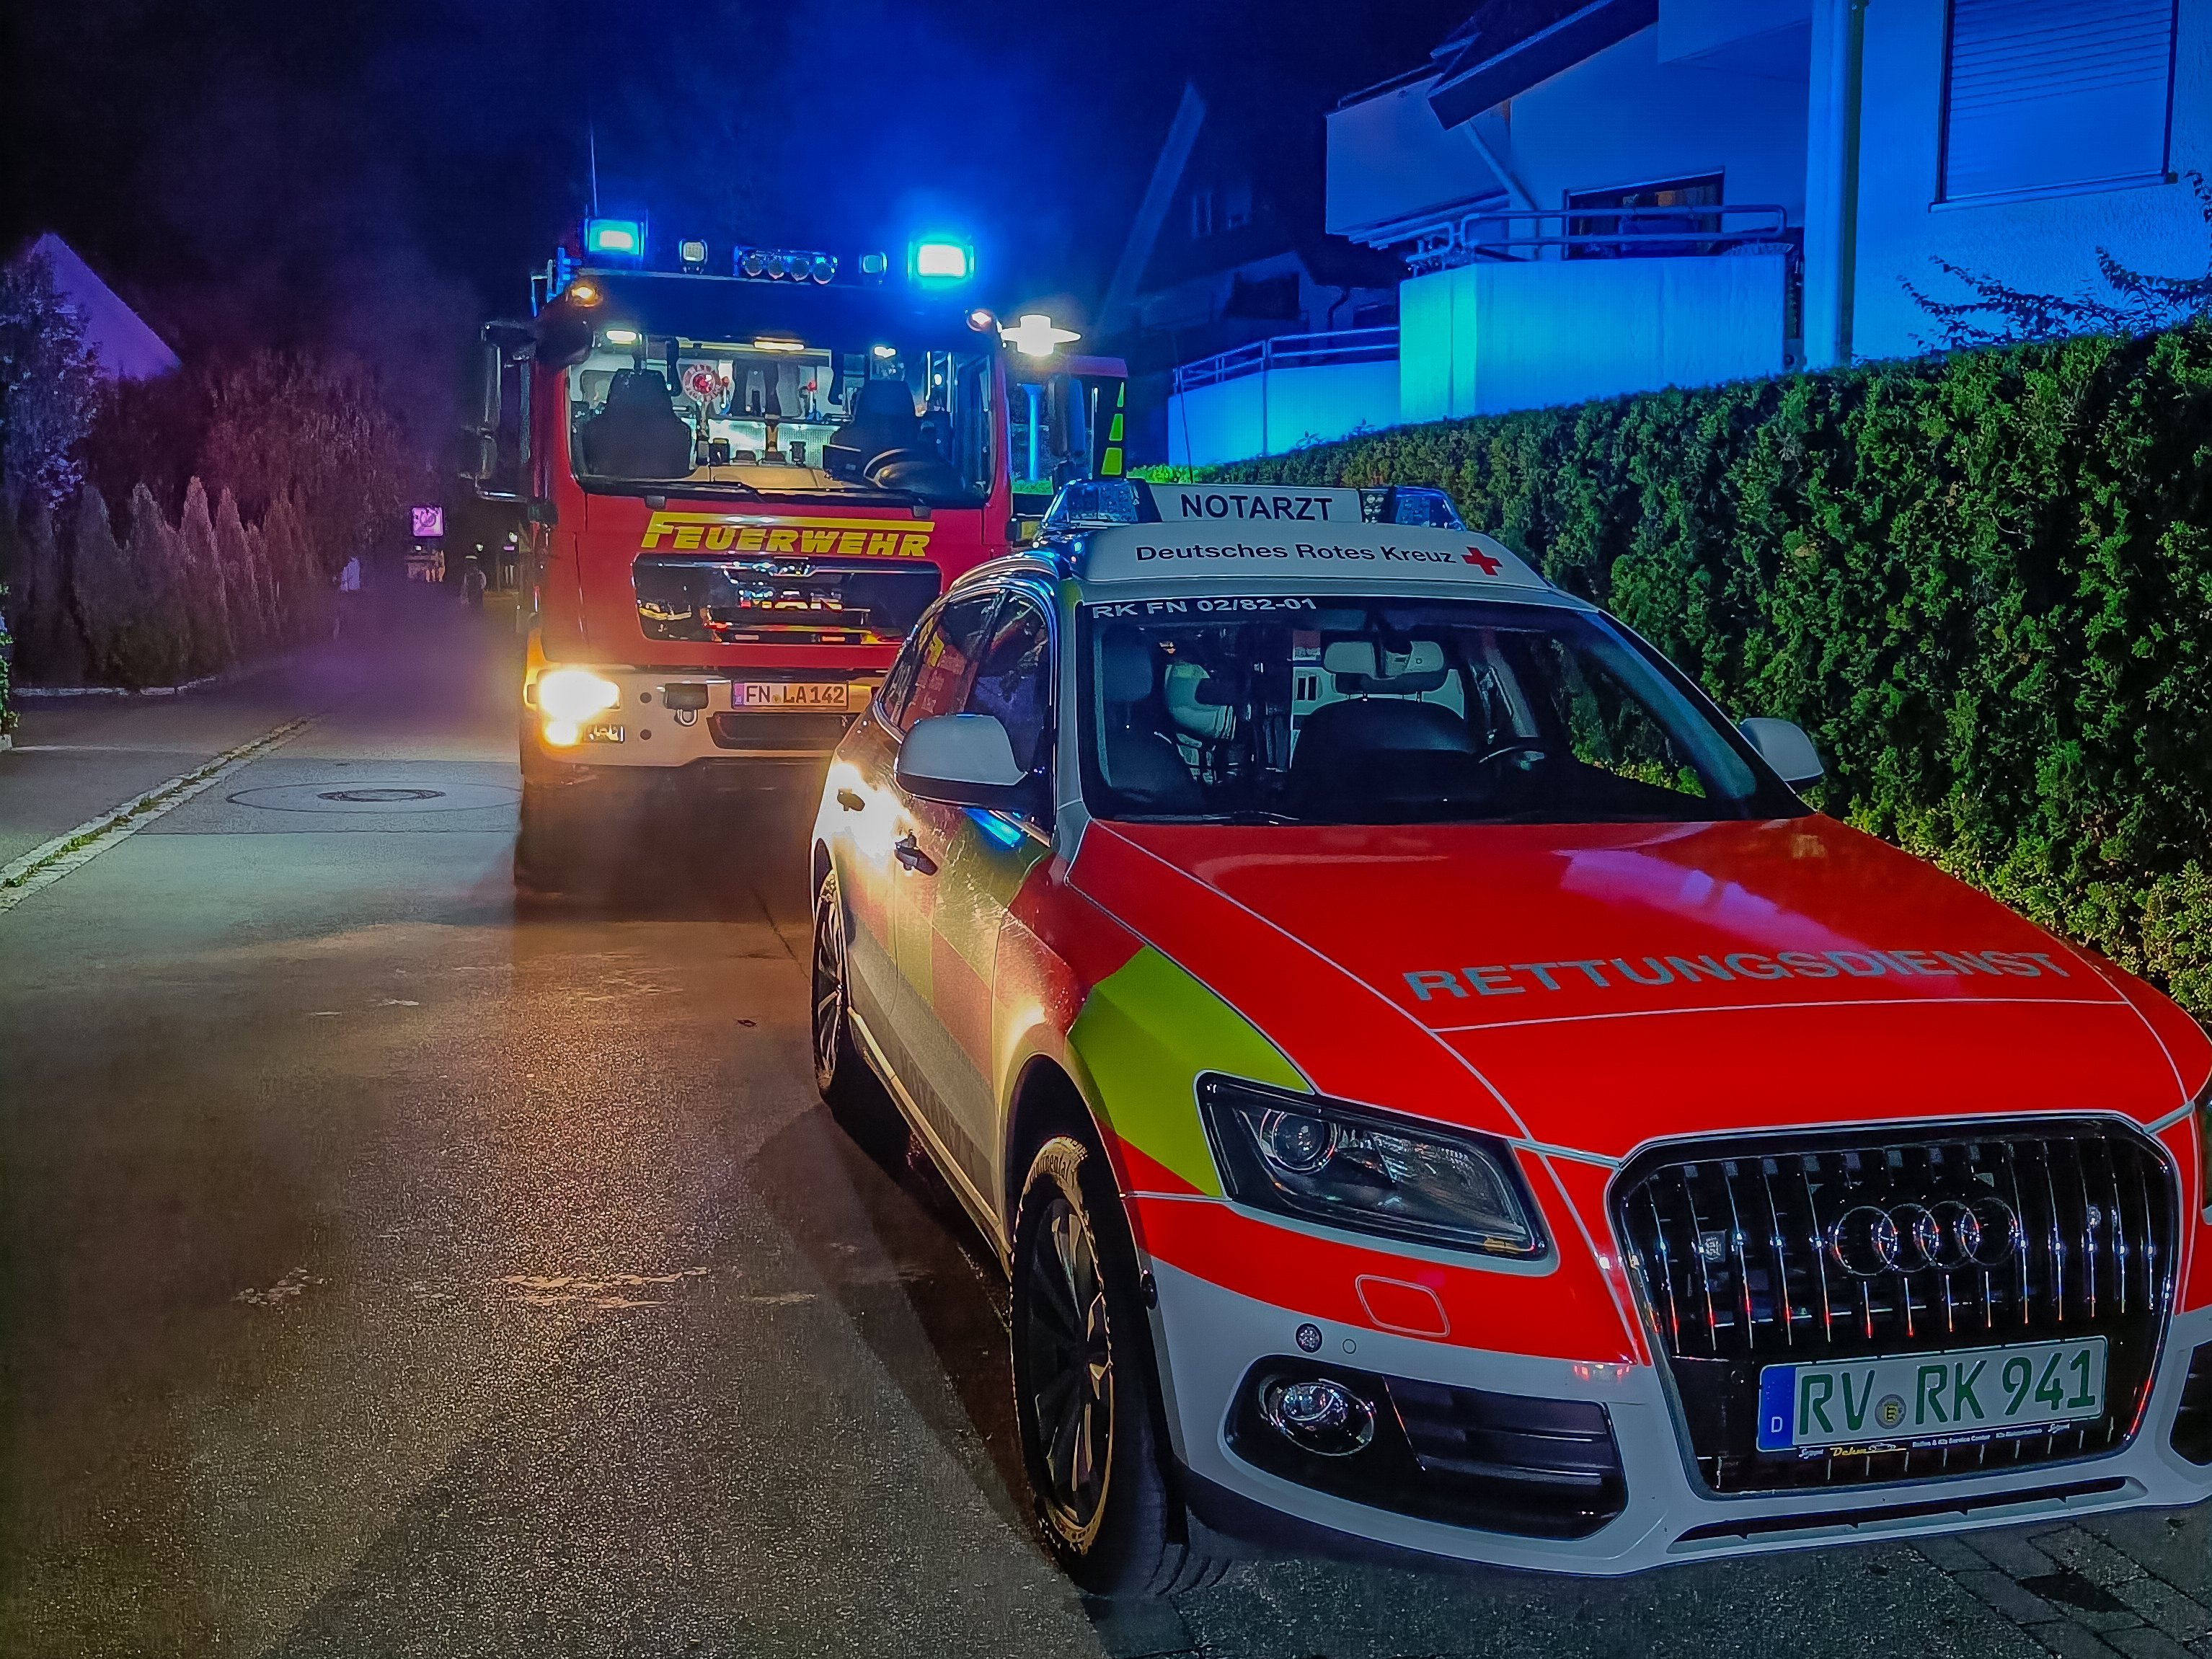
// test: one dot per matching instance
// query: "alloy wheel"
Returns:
(1071, 1369)
(829, 982)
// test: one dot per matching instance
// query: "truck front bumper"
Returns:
(731, 719)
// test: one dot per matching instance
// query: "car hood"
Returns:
(1595, 986)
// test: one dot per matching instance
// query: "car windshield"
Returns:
(777, 417)
(1334, 710)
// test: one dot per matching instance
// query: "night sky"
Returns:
(379, 176)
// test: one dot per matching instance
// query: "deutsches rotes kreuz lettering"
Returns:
(1592, 973)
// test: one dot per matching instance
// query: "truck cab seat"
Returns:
(637, 433)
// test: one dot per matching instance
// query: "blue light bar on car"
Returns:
(620, 239)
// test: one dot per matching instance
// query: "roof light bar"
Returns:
(936, 260)
(783, 264)
(615, 239)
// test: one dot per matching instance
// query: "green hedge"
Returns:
(1983, 582)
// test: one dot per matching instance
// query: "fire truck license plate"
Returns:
(1970, 1394)
(790, 694)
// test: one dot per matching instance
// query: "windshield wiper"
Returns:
(599, 485)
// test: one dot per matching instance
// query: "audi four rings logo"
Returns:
(1868, 1240)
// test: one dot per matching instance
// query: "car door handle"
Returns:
(851, 802)
(912, 857)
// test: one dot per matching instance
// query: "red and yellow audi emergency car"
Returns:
(1435, 1085)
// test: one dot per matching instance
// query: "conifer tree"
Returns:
(49, 649)
(241, 595)
(151, 553)
(200, 569)
(264, 587)
(305, 594)
(107, 600)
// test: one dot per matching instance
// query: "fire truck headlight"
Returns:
(571, 695)
(562, 734)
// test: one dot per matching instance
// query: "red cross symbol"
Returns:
(1475, 556)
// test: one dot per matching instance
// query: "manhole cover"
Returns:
(370, 799)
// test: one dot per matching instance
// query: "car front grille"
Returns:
(1745, 1254)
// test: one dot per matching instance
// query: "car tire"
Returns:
(1086, 1390)
(841, 1075)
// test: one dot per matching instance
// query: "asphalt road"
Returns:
(385, 1270)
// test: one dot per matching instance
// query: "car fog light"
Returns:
(562, 734)
(1318, 1414)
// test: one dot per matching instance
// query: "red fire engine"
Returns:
(740, 490)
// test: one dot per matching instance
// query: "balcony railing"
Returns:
(1343, 345)
(1502, 233)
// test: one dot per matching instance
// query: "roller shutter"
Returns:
(2049, 93)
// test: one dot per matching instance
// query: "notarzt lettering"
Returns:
(1229, 504)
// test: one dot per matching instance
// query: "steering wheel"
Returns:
(909, 455)
(1505, 748)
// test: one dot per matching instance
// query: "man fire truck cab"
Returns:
(740, 490)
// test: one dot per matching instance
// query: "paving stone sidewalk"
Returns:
(2136, 1585)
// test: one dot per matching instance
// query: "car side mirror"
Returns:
(966, 760)
(1784, 745)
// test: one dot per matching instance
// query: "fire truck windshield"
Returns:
(780, 417)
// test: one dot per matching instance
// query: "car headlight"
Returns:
(1365, 1170)
(2204, 1148)
(575, 694)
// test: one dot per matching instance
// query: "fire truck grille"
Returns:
(732, 601)
(1746, 1256)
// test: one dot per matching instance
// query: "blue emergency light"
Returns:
(617, 238)
(939, 259)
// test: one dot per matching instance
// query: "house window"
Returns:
(1645, 217)
(1236, 205)
(1202, 215)
(2045, 94)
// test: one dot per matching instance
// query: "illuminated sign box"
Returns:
(427, 522)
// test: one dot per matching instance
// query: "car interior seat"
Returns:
(1143, 764)
(637, 433)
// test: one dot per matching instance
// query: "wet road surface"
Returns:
(387, 1271)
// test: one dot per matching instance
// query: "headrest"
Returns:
(1365, 726)
(1362, 657)
(1125, 666)
(882, 400)
(638, 387)
(1349, 657)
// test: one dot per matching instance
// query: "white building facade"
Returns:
(1617, 196)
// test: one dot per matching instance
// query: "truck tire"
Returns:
(547, 839)
(1087, 1388)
